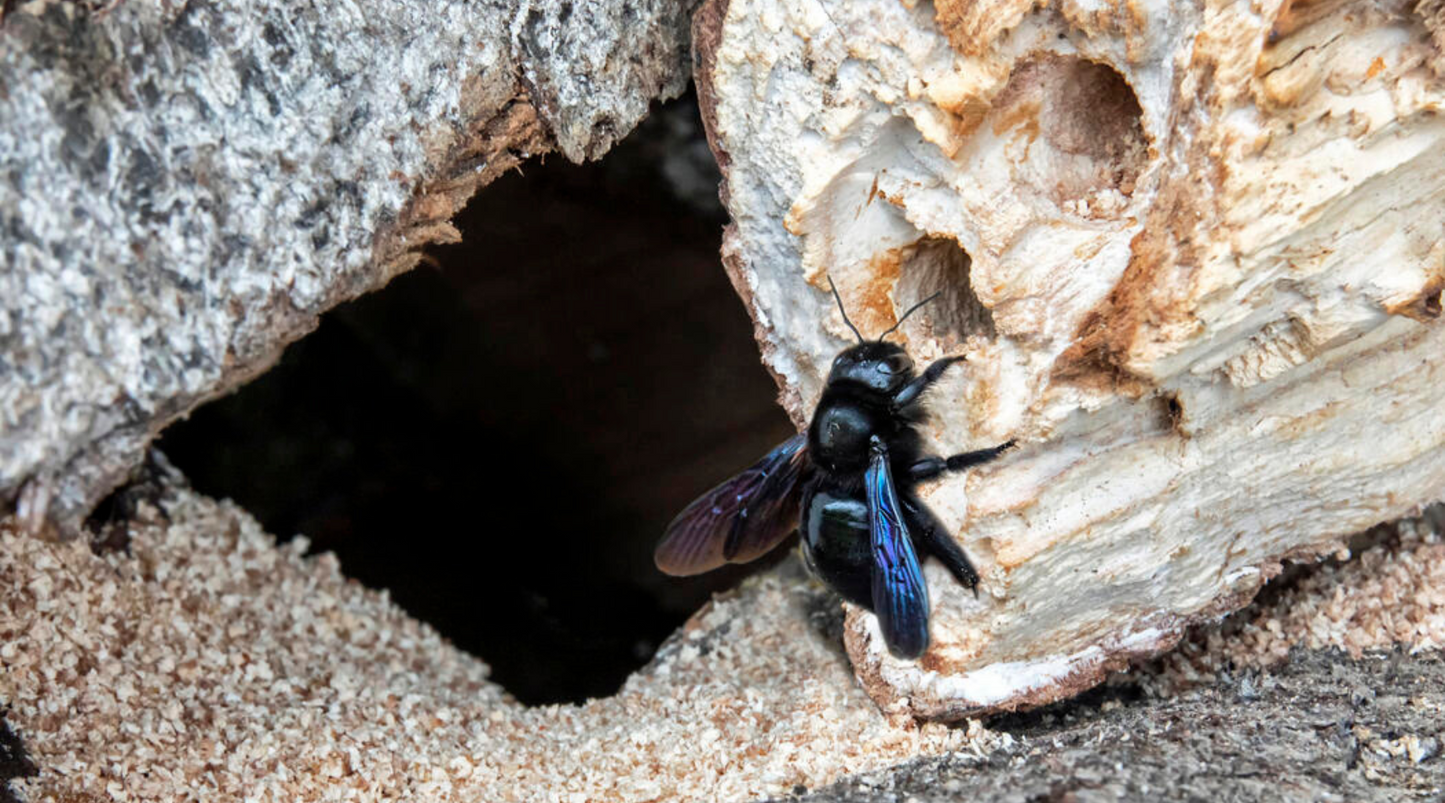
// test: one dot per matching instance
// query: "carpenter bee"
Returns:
(848, 484)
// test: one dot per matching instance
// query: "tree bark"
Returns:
(1194, 253)
(1323, 728)
(186, 186)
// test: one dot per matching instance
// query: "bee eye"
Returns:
(896, 364)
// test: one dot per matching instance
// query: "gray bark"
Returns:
(186, 186)
(1324, 727)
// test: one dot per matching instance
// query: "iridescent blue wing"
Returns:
(741, 519)
(900, 598)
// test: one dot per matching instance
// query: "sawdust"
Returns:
(1391, 593)
(210, 664)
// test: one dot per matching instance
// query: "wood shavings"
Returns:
(211, 661)
(214, 662)
(1391, 593)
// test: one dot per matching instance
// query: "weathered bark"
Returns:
(1326, 727)
(185, 187)
(1194, 253)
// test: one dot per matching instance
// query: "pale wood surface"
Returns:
(1193, 251)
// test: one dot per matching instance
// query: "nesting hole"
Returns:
(1171, 414)
(1083, 129)
(940, 265)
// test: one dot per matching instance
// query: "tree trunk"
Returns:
(185, 187)
(1194, 253)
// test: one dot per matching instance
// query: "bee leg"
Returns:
(930, 467)
(927, 469)
(935, 541)
(911, 392)
(959, 462)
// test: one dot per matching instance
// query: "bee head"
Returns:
(874, 364)
(884, 367)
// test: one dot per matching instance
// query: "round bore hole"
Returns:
(1079, 128)
(940, 265)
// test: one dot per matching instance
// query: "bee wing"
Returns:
(900, 598)
(741, 519)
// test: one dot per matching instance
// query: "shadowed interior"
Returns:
(940, 265)
(499, 439)
(1083, 127)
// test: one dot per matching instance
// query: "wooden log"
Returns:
(185, 187)
(1193, 251)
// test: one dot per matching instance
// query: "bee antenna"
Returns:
(906, 314)
(839, 299)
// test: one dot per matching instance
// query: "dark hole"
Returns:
(938, 265)
(1172, 414)
(500, 441)
(108, 525)
(1432, 304)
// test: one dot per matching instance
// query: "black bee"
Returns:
(852, 476)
